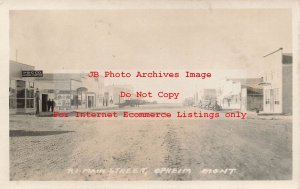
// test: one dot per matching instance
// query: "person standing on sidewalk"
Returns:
(52, 105)
(48, 105)
(37, 101)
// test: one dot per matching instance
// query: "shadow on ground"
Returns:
(20, 133)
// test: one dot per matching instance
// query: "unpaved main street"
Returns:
(47, 148)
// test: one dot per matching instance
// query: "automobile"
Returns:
(210, 105)
(217, 107)
(205, 104)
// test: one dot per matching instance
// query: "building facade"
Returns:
(207, 96)
(21, 89)
(277, 83)
(241, 94)
(112, 94)
(70, 91)
(229, 94)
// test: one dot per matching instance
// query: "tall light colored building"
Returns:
(278, 83)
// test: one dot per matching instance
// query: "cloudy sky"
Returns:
(150, 39)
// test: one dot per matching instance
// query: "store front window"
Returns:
(82, 97)
(29, 98)
(20, 93)
(23, 95)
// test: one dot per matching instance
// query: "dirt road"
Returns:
(44, 148)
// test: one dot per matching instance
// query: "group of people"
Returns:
(50, 105)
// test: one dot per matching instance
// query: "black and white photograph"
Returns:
(153, 94)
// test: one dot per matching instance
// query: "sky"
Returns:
(230, 42)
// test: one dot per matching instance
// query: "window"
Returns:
(276, 96)
(29, 103)
(31, 84)
(79, 97)
(20, 93)
(20, 84)
(24, 96)
(29, 93)
(20, 103)
(30, 98)
(267, 96)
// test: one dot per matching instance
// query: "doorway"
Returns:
(90, 101)
(44, 102)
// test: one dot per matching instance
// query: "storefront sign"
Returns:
(32, 73)
(63, 100)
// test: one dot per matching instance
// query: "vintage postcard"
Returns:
(164, 94)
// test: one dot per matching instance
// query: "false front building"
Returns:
(70, 91)
(277, 83)
(21, 89)
(243, 94)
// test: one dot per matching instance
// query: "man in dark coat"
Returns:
(49, 105)
(37, 101)
(52, 105)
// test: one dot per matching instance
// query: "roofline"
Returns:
(280, 49)
(20, 63)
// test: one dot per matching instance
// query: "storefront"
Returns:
(21, 89)
(69, 91)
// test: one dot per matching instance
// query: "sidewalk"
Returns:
(261, 115)
(269, 116)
